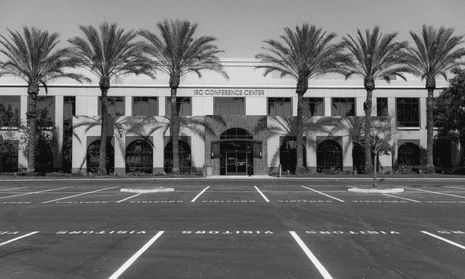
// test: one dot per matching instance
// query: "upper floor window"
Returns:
(343, 107)
(45, 110)
(382, 107)
(115, 106)
(279, 107)
(10, 111)
(183, 105)
(69, 107)
(146, 106)
(229, 106)
(408, 112)
(314, 107)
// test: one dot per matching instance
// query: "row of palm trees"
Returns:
(305, 53)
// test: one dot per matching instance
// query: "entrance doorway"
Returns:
(237, 162)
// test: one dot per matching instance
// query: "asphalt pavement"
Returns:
(236, 228)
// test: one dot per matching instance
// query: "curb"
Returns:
(142, 191)
(380, 191)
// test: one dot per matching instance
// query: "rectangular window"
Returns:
(10, 111)
(279, 107)
(382, 107)
(314, 107)
(343, 107)
(69, 107)
(408, 112)
(45, 110)
(229, 106)
(183, 105)
(115, 106)
(146, 106)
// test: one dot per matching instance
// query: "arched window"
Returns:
(93, 152)
(44, 157)
(9, 156)
(288, 154)
(139, 157)
(185, 164)
(329, 156)
(408, 154)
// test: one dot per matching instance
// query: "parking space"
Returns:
(232, 253)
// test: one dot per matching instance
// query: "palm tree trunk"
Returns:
(367, 132)
(33, 132)
(429, 131)
(174, 131)
(300, 130)
(102, 162)
(375, 170)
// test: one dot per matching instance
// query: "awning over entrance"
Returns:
(244, 144)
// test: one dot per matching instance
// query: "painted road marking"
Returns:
(322, 193)
(129, 198)
(443, 239)
(437, 193)
(79, 194)
(312, 257)
(30, 193)
(196, 197)
(10, 189)
(14, 239)
(402, 198)
(266, 199)
(128, 263)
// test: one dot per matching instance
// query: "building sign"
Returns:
(229, 92)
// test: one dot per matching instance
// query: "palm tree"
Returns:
(435, 53)
(178, 53)
(306, 53)
(108, 55)
(373, 56)
(33, 58)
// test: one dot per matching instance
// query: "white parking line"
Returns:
(14, 239)
(458, 188)
(9, 189)
(267, 200)
(30, 193)
(312, 257)
(443, 239)
(196, 197)
(80, 194)
(402, 198)
(321, 193)
(438, 193)
(128, 263)
(129, 198)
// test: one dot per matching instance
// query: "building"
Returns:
(141, 142)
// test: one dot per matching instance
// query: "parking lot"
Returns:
(230, 229)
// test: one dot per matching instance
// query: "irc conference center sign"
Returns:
(229, 92)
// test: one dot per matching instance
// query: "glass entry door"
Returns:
(236, 162)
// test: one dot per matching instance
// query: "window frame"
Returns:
(279, 103)
(410, 123)
(385, 107)
(333, 109)
(11, 122)
(154, 108)
(219, 111)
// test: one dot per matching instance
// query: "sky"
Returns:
(240, 26)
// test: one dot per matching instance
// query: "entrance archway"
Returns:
(139, 157)
(93, 152)
(236, 152)
(408, 154)
(329, 156)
